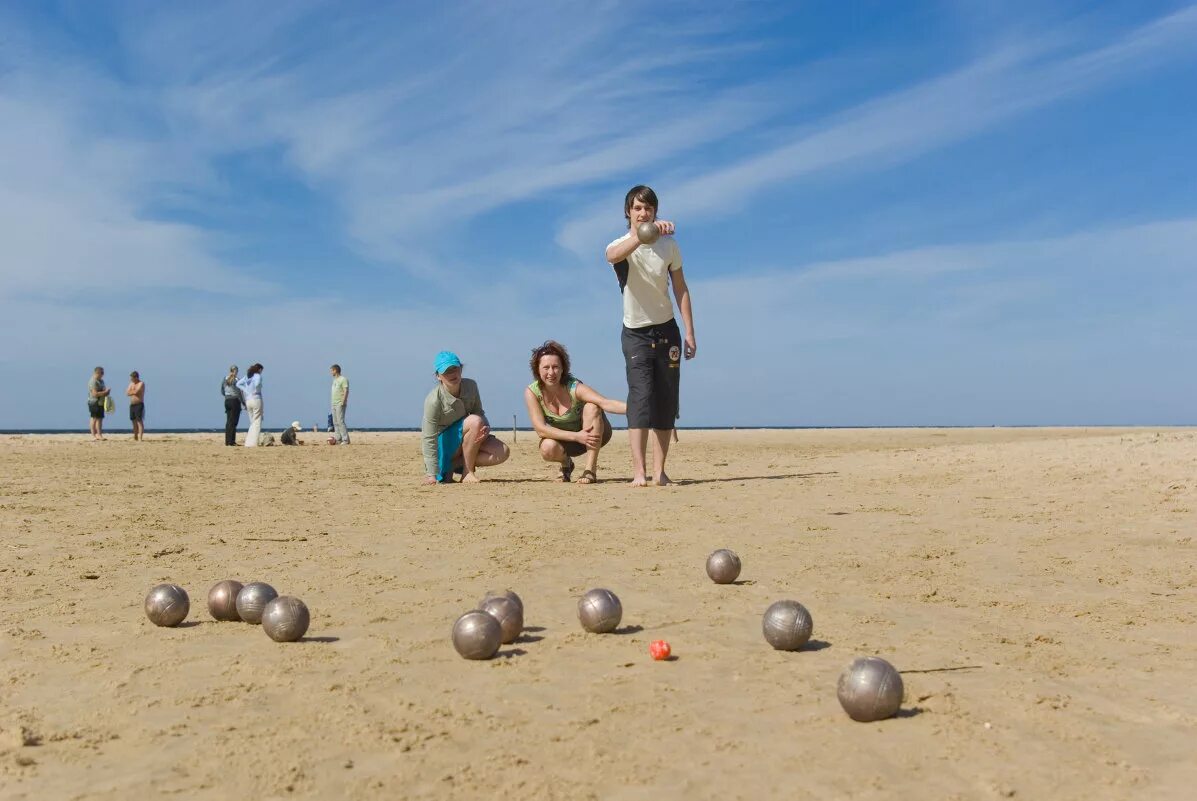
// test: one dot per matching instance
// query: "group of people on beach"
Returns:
(246, 394)
(100, 402)
(569, 416)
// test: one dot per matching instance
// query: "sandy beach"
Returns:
(1037, 587)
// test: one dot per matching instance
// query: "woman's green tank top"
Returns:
(572, 419)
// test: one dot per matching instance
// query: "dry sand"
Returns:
(1036, 586)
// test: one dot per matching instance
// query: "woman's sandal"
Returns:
(567, 470)
(588, 477)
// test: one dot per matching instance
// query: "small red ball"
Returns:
(659, 649)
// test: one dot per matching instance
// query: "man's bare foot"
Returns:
(639, 481)
(470, 478)
(663, 480)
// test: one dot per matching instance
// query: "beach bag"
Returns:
(109, 404)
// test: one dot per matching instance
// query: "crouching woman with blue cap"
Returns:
(456, 434)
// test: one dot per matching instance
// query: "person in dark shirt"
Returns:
(289, 436)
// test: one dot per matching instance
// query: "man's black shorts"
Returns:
(653, 358)
(96, 409)
(137, 412)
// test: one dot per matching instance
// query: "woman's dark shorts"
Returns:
(137, 412)
(653, 358)
(578, 449)
(96, 409)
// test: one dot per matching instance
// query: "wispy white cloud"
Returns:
(995, 88)
(519, 106)
(70, 217)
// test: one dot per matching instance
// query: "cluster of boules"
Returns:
(284, 619)
(498, 620)
(870, 689)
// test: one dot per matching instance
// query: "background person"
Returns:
(340, 399)
(136, 393)
(291, 435)
(455, 431)
(232, 405)
(251, 395)
(97, 393)
(568, 415)
(652, 344)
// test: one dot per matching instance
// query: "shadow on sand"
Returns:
(683, 482)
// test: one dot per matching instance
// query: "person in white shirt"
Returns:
(251, 394)
(652, 344)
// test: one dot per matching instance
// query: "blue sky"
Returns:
(959, 213)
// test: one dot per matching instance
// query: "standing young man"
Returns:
(97, 392)
(340, 399)
(652, 343)
(136, 393)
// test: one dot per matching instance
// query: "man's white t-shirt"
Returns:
(646, 298)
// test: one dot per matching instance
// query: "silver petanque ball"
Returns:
(167, 605)
(599, 611)
(647, 233)
(787, 625)
(509, 614)
(285, 619)
(252, 600)
(870, 689)
(723, 566)
(477, 635)
(503, 594)
(222, 600)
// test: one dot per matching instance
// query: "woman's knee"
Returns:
(551, 450)
(472, 422)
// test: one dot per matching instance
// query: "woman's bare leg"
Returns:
(592, 420)
(479, 448)
(553, 451)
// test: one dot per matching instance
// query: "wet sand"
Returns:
(1038, 587)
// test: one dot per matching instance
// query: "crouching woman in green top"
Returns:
(456, 434)
(568, 415)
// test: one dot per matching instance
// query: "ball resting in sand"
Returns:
(285, 619)
(599, 611)
(509, 614)
(505, 594)
(870, 689)
(222, 600)
(477, 635)
(167, 605)
(647, 233)
(252, 600)
(787, 625)
(723, 566)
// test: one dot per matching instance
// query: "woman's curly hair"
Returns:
(550, 348)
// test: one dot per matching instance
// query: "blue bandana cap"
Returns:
(446, 359)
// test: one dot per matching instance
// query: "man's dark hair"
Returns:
(642, 193)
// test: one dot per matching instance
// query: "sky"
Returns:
(923, 213)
